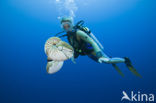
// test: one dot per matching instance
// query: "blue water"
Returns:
(124, 27)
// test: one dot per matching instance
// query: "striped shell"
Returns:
(58, 50)
(54, 66)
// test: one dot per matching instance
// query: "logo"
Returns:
(140, 97)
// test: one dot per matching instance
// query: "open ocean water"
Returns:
(124, 27)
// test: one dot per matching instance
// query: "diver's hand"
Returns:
(103, 59)
(73, 60)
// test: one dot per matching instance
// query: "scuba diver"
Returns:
(85, 43)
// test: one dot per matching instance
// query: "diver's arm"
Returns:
(82, 35)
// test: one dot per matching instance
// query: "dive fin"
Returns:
(117, 69)
(131, 68)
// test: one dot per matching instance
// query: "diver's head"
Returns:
(67, 23)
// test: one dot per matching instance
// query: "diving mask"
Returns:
(67, 26)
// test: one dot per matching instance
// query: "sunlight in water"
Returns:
(66, 8)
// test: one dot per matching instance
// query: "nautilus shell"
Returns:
(54, 66)
(58, 50)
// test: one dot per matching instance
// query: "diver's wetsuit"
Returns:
(85, 45)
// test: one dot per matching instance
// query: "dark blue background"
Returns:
(124, 27)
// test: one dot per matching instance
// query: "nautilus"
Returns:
(57, 52)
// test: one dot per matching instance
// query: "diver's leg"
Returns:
(107, 59)
(122, 60)
(114, 60)
(94, 57)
